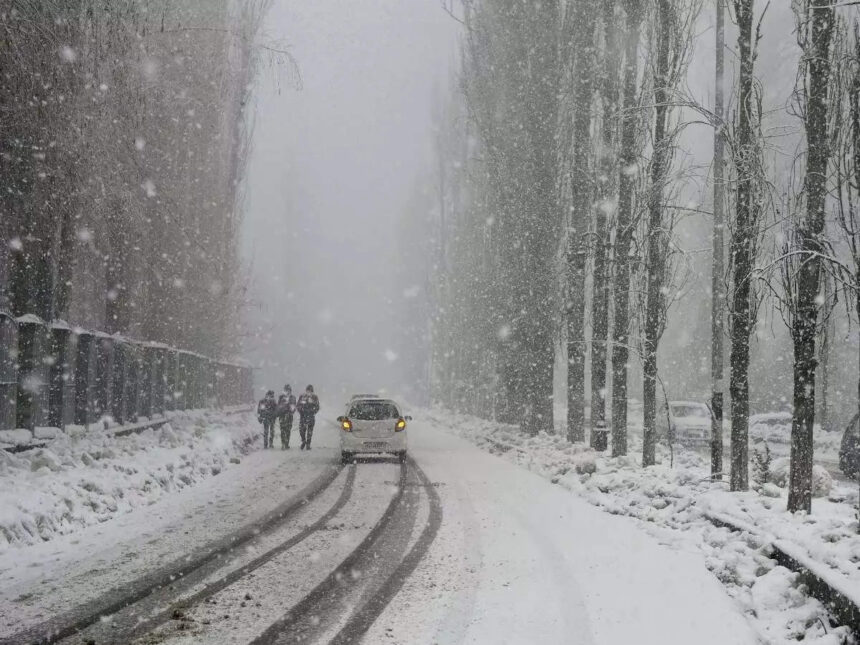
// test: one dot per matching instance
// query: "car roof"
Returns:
(374, 399)
(355, 397)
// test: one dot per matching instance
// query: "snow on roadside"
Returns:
(77, 481)
(670, 503)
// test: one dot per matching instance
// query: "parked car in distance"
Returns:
(684, 422)
(773, 427)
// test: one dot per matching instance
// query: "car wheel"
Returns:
(345, 458)
(401, 457)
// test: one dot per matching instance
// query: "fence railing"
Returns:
(52, 375)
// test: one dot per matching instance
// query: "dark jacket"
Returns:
(308, 404)
(267, 409)
(286, 405)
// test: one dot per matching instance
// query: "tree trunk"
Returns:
(810, 232)
(581, 188)
(742, 244)
(717, 284)
(656, 236)
(624, 231)
(606, 187)
(540, 242)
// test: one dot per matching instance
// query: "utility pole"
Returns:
(718, 294)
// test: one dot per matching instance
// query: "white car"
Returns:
(372, 426)
(685, 422)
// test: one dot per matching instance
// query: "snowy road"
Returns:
(457, 546)
(518, 560)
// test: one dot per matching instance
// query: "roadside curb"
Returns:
(822, 584)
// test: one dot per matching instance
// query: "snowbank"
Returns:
(671, 502)
(76, 481)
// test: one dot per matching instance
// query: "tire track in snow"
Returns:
(358, 624)
(170, 601)
(78, 619)
(311, 617)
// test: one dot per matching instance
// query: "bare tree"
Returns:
(583, 21)
(606, 203)
(807, 244)
(625, 223)
(744, 235)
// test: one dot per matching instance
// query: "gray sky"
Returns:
(331, 170)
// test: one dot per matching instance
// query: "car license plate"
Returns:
(375, 444)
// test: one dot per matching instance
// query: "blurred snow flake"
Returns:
(84, 234)
(412, 292)
(32, 383)
(179, 283)
(67, 54)
(607, 206)
(112, 294)
(16, 244)
(325, 316)
(390, 355)
(215, 288)
(149, 188)
(504, 332)
(314, 556)
(150, 68)
(139, 143)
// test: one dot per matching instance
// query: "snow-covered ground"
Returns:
(518, 560)
(584, 548)
(170, 504)
(80, 479)
(670, 502)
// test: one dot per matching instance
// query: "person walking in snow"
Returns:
(286, 409)
(308, 405)
(267, 412)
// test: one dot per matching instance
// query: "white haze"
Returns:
(332, 167)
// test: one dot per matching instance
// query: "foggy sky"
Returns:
(332, 168)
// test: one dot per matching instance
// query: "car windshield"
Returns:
(690, 410)
(374, 411)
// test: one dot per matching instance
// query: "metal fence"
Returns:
(54, 375)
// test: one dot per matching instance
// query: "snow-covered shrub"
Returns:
(761, 465)
(822, 482)
(585, 463)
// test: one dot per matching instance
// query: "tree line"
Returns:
(557, 197)
(124, 140)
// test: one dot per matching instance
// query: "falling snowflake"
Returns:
(67, 54)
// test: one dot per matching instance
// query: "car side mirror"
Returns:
(408, 418)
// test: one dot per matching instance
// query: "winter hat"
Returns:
(287, 388)
(310, 388)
